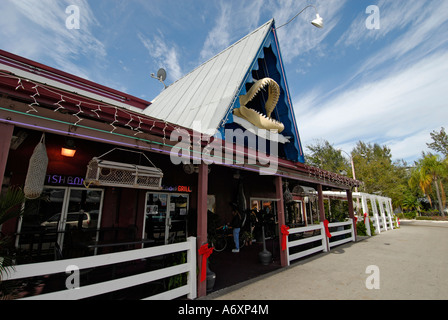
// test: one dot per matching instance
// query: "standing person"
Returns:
(236, 225)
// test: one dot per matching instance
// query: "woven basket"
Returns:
(37, 170)
(101, 172)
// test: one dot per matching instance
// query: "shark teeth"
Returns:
(273, 94)
(263, 121)
(259, 120)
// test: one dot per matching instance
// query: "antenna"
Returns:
(161, 76)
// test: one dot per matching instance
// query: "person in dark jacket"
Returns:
(236, 225)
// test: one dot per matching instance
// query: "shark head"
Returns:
(259, 118)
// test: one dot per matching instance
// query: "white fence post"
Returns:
(353, 226)
(191, 260)
(383, 215)
(375, 213)
(389, 212)
(365, 210)
(325, 240)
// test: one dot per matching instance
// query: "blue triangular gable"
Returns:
(268, 64)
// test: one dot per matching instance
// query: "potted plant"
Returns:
(248, 237)
(11, 206)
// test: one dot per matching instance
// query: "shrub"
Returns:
(410, 215)
(361, 229)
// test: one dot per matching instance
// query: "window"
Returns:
(55, 218)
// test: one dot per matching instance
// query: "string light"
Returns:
(35, 103)
(129, 123)
(59, 104)
(82, 107)
(115, 121)
(313, 172)
(140, 122)
(164, 132)
(20, 85)
(96, 111)
(77, 114)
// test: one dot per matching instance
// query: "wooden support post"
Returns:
(202, 223)
(280, 218)
(6, 132)
(320, 204)
(351, 211)
(320, 201)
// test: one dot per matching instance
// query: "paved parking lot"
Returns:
(406, 263)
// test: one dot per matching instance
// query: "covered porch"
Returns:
(82, 217)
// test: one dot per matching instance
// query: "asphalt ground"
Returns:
(409, 263)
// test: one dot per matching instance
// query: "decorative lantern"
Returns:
(37, 170)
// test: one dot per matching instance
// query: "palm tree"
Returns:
(429, 171)
(410, 202)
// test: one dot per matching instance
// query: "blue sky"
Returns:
(348, 82)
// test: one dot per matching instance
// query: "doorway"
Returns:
(166, 217)
(294, 214)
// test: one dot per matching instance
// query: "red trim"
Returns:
(24, 64)
(50, 96)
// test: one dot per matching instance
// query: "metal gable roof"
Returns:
(206, 93)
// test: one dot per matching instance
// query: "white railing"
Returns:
(390, 222)
(334, 234)
(48, 268)
(296, 243)
(378, 224)
(325, 243)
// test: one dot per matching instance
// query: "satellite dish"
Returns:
(161, 76)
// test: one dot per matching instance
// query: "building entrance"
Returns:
(166, 217)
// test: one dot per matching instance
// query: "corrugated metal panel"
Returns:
(206, 93)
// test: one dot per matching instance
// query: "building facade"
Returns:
(153, 173)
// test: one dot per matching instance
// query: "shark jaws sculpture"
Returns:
(262, 121)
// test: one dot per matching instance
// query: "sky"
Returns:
(377, 72)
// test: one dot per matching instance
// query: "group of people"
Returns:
(247, 220)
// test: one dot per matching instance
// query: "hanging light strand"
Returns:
(121, 117)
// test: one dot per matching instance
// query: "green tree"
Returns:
(440, 142)
(324, 156)
(379, 173)
(410, 202)
(429, 171)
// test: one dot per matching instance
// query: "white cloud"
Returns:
(219, 37)
(299, 36)
(37, 30)
(396, 94)
(395, 109)
(235, 19)
(410, 148)
(420, 23)
(164, 55)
